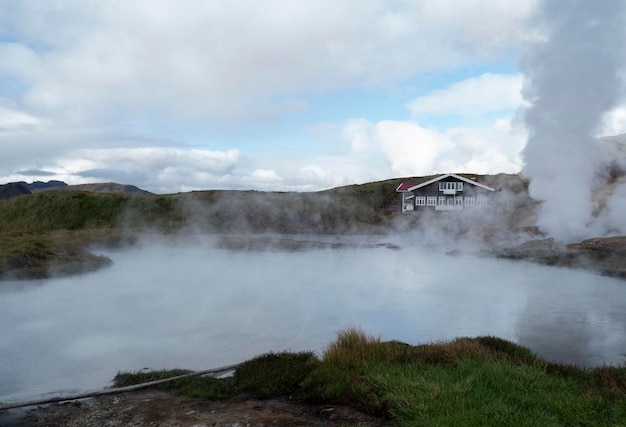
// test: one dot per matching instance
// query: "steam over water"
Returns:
(196, 307)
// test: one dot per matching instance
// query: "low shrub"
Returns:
(513, 351)
(275, 374)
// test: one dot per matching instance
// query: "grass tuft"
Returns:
(354, 348)
(449, 353)
(511, 350)
(275, 374)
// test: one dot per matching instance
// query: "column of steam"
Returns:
(571, 78)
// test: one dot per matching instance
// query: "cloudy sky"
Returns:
(270, 94)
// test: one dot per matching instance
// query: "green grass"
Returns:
(209, 211)
(275, 374)
(483, 381)
(76, 210)
(37, 256)
(479, 393)
(195, 386)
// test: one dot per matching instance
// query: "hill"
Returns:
(43, 186)
(104, 187)
(349, 209)
(14, 189)
(107, 187)
(53, 228)
(47, 227)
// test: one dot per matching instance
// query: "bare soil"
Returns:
(151, 408)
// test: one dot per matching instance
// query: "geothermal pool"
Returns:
(166, 305)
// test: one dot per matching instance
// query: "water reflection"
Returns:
(195, 307)
(579, 320)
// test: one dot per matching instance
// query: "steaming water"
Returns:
(165, 306)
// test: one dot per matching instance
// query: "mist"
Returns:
(572, 78)
(167, 304)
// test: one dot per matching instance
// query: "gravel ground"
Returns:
(164, 409)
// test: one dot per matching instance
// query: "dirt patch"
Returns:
(164, 409)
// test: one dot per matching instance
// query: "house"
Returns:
(448, 192)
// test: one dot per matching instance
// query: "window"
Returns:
(442, 200)
(447, 186)
(450, 186)
(470, 201)
(458, 201)
(481, 201)
(420, 201)
(431, 201)
(450, 201)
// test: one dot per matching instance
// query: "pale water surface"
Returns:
(192, 306)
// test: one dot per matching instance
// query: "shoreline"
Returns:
(68, 254)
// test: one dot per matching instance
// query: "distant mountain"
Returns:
(33, 187)
(13, 189)
(106, 187)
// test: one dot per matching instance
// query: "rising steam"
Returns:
(571, 80)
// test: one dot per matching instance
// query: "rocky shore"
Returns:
(149, 408)
(605, 255)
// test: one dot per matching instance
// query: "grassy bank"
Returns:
(41, 256)
(49, 233)
(465, 382)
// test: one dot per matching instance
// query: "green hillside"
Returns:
(47, 233)
(210, 211)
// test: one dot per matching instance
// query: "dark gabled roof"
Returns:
(412, 187)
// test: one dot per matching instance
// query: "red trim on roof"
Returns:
(494, 185)
(405, 186)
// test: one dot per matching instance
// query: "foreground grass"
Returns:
(466, 382)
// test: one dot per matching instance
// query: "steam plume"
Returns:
(571, 80)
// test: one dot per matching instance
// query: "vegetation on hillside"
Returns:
(465, 382)
(42, 231)
(41, 256)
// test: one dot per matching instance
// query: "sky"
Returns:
(270, 95)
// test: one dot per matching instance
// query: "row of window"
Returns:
(450, 201)
(458, 186)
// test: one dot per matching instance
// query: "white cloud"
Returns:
(614, 122)
(266, 176)
(211, 59)
(484, 94)
(85, 78)
(412, 150)
(13, 119)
